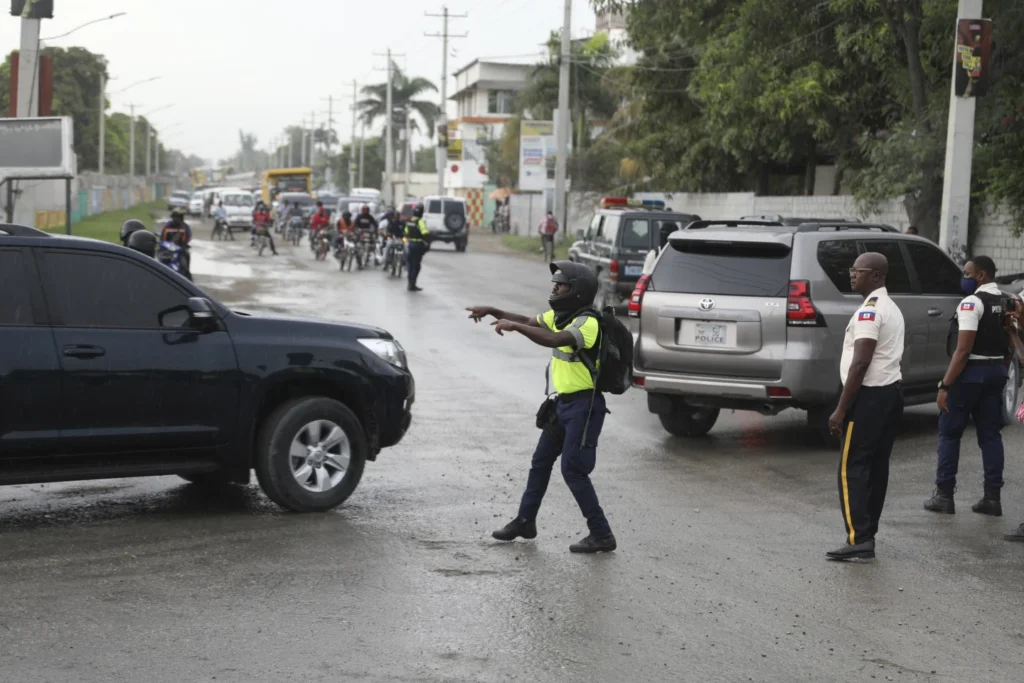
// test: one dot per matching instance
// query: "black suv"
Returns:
(112, 365)
(616, 244)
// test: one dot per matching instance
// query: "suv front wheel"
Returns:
(310, 454)
(689, 421)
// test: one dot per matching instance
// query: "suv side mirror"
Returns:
(201, 310)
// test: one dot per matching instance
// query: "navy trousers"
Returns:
(415, 260)
(977, 393)
(565, 438)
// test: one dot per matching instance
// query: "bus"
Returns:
(277, 180)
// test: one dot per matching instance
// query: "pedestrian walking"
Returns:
(416, 234)
(571, 422)
(548, 228)
(973, 388)
(870, 406)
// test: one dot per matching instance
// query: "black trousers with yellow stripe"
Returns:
(867, 441)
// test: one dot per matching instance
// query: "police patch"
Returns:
(872, 301)
(866, 316)
(967, 306)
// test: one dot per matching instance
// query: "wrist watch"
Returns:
(943, 387)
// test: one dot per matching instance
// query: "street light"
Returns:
(148, 136)
(88, 23)
(103, 113)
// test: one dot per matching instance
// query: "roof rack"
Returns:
(12, 230)
(697, 225)
(843, 225)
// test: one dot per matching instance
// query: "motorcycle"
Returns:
(172, 255)
(394, 256)
(347, 253)
(321, 242)
(221, 231)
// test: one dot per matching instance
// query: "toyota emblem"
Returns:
(707, 304)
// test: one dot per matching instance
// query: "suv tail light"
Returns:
(800, 310)
(613, 270)
(637, 297)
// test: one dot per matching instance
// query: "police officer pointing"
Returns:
(973, 387)
(870, 406)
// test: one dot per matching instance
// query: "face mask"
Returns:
(969, 285)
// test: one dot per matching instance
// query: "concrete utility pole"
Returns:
(149, 150)
(103, 120)
(352, 148)
(362, 151)
(156, 149)
(389, 162)
(327, 138)
(28, 67)
(562, 121)
(131, 146)
(291, 140)
(441, 154)
(956, 179)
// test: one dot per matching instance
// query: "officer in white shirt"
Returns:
(973, 387)
(870, 406)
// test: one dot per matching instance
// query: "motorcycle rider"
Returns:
(417, 233)
(366, 226)
(260, 216)
(395, 231)
(220, 215)
(318, 221)
(178, 231)
(128, 227)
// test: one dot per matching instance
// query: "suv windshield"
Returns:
(726, 268)
(238, 200)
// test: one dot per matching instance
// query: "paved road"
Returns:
(719, 575)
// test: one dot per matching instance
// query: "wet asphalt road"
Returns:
(719, 576)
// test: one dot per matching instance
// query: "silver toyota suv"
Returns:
(751, 315)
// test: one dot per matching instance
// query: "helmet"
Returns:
(144, 242)
(131, 225)
(417, 211)
(177, 214)
(583, 288)
(346, 215)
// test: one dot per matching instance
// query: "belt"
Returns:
(586, 394)
(985, 361)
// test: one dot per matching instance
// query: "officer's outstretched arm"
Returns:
(478, 313)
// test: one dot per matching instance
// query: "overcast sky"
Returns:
(223, 64)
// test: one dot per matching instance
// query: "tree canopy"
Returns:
(756, 94)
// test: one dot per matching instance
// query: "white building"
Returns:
(485, 94)
(613, 24)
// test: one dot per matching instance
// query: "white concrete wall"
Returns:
(994, 237)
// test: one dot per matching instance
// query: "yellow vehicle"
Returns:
(277, 180)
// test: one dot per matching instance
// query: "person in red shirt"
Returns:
(260, 221)
(319, 219)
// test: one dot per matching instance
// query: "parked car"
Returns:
(195, 205)
(751, 315)
(617, 240)
(179, 199)
(447, 220)
(111, 365)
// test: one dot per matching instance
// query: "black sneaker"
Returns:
(941, 501)
(860, 551)
(1017, 536)
(517, 528)
(594, 544)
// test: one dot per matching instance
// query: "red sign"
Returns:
(455, 168)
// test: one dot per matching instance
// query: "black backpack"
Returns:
(614, 353)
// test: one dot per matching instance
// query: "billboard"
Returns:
(37, 148)
(973, 49)
(537, 153)
(32, 9)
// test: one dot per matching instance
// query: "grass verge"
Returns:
(531, 245)
(106, 226)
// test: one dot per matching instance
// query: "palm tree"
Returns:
(404, 104)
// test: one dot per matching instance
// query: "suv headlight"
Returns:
(388, 350)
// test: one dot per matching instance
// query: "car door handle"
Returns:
(84, 351)
(934, 312)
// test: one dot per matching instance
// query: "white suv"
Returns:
(447, 220)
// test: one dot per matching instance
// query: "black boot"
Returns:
(594, 544)
(990, 504)
(941, 501)
(861, 551)
(1017, 536)
(518, 527)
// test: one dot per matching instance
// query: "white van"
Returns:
(239, 205)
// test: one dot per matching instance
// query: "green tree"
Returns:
(405, 104)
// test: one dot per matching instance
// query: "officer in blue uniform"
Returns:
(973, 388)
(417, 235)
(575, 417)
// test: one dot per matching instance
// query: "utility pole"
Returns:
(352, 148)
(131, 147)
(149, 151)
(956, 180)
(362, 151)
(389, 143)
(327, 138)
(103, 119)
(562, 121)
(408, 154)
(441, 154)
(156, 159)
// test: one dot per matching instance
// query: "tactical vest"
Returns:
(992, 339)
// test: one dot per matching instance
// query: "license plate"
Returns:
(706, 334)
(632, 271)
